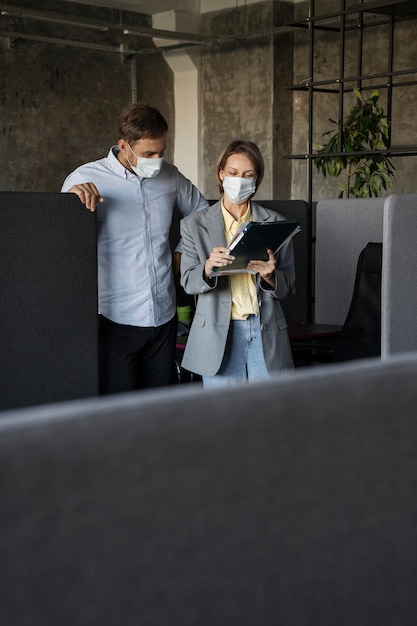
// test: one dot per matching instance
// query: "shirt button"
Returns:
(263, 326)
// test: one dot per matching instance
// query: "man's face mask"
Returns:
(146, 167)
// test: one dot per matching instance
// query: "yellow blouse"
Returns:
(243, 286)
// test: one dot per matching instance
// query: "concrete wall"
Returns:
(237, 90)
(60, 104)
(243, 92)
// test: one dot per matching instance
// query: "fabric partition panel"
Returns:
(399, 284)
(48, 306)
(298, 307)
(292, 502)
(343, 228)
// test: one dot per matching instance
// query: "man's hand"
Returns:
(88, 194)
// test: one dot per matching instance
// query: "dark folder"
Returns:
(253, 240)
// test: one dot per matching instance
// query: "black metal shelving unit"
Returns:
(354, 17)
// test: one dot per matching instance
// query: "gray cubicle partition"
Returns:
(290, 503)
(399, 269)
(343, 228)
(48, 299)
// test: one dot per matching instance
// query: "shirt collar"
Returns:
(230, 224)
(118, 167)
(114, 163)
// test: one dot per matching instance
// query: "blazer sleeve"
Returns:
(284, 274)
(195, 252)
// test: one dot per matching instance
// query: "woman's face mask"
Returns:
(238, 190)
(146, 167)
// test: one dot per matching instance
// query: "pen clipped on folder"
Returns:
(238, 235)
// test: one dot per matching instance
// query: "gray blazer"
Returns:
(206, 343)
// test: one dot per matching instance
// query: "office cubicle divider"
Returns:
(399, 266)
(343, 228)
(48, 301)
(290, 503)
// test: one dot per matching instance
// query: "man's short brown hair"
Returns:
(141, 121)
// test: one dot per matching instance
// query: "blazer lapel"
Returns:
(215, 226)
(260, 213)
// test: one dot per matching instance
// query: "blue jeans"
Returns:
(243, 359)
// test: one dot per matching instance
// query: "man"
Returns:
(134, 192)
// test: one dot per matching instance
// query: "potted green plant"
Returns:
(364, 136)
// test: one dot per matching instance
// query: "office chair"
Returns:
(360, 336)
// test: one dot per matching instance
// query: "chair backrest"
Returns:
(361, 333)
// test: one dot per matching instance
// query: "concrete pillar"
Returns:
(185, 68)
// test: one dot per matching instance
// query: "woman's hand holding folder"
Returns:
(219, 257)
(265, 269)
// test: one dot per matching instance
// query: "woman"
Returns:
(239, 332)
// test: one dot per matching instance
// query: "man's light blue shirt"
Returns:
(135, 280)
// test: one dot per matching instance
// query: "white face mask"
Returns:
(238, 190)
(146, 167)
